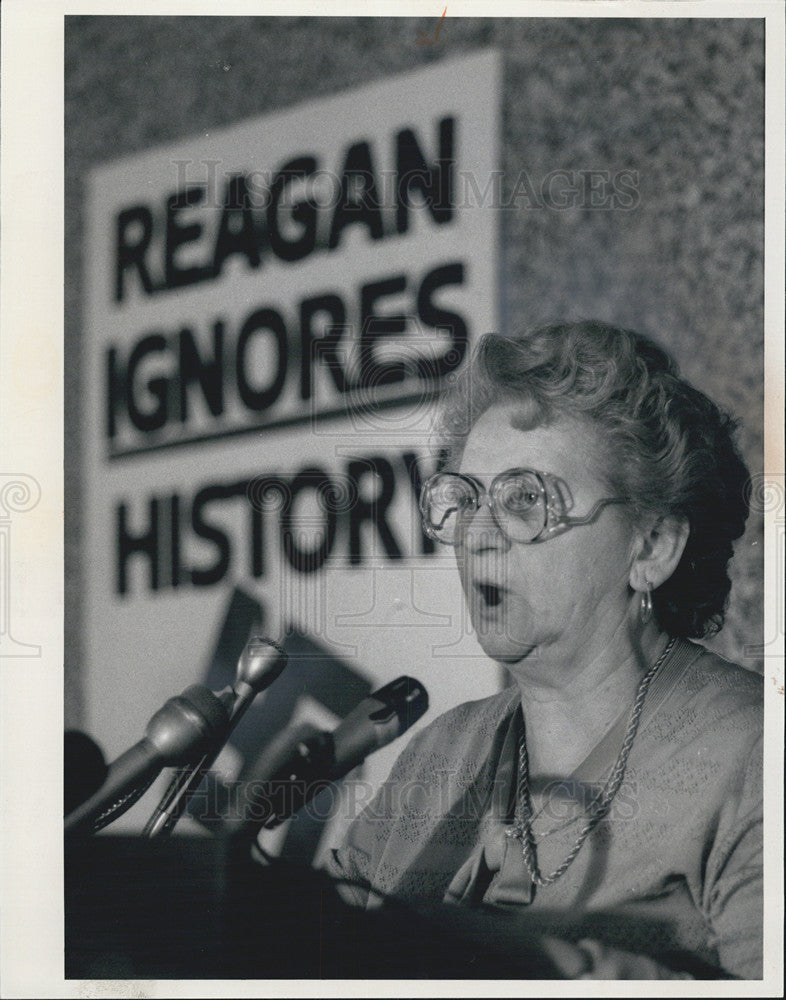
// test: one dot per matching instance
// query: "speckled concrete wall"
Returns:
(680, 102)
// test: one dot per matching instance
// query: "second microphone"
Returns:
(295, 766)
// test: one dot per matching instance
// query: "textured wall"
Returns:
(678, 101)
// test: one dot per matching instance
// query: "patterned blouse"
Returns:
(674, 870)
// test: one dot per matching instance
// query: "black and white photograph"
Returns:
(401, 408)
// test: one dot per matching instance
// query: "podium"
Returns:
(200, 908)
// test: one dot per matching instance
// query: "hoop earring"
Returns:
(645, 609)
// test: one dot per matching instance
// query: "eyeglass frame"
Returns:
(556, 520)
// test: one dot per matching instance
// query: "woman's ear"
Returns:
(658, 550)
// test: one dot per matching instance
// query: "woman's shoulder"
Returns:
(713, 678)
(466, 729)
(711, 700)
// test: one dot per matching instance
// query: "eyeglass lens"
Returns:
(518, 501)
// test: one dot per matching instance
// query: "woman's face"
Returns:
(562, 596)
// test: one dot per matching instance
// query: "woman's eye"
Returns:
(522, 499)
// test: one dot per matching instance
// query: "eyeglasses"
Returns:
(527, 506)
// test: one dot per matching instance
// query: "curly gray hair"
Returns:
(672, 449)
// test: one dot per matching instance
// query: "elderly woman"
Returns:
(591, 497)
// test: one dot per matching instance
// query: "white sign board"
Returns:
(271, 309)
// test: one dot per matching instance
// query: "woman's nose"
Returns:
(482, 530)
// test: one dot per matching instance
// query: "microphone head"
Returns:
(298, 763)
(405, 698)
(187, 724)
(260, 663)
(378, 720)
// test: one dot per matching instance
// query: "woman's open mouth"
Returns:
(490, 594)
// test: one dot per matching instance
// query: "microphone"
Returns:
(181, 730)
(260, 663)
(287, 776)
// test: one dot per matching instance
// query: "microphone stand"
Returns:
(259, 665)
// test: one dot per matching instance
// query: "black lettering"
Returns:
(216, 572)
(209, 373)
(432, 369)
(158, 387)
(301, 219)
(144, 544)
(236, 232)
(131, 252)
(324, 346)
(265, 494)
(304, 559)
(372, 373)
(115, 391)
(374, 510)
(177, 236)
(435, 183)
(358, 201)
(257, 543)
(174, 539)
(263, 320)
